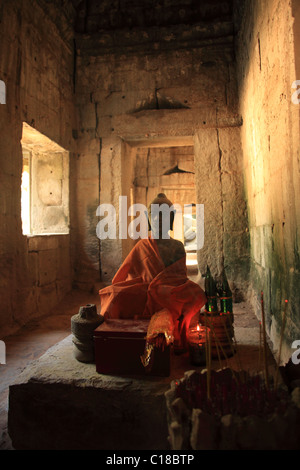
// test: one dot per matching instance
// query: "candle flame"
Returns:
(198, 327)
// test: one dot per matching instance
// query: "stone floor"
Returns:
(33, 340)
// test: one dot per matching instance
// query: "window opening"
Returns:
(44, 185)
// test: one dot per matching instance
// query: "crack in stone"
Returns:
(222, 202)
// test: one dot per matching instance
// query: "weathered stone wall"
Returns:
(219, 177)
(36, 64)
(268, 64)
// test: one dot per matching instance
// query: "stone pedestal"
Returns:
(60, 403)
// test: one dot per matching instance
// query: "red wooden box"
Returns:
(119, 345)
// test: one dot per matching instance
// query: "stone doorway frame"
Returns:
(162, 128)
(116, 180)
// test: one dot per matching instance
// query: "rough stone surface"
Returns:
(267, 65)
(36, 64)
(136, 17)
(204, 430)
(60, 403)
(218, 175)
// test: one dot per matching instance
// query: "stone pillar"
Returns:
(87, 268)
(209, 193)
(111, 189)
(219, 186)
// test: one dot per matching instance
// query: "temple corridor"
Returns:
(110, 109)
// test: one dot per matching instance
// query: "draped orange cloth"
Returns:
(143, 286)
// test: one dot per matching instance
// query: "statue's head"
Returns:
(161, 216)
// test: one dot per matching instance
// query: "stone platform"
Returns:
(60, 403)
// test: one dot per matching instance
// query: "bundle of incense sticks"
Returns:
(208, 358)
(221, 350)
(228, 391)
(246, 396)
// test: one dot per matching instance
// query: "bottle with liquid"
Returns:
(225, 295)
(211, 305)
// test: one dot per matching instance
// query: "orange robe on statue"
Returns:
(144, 286)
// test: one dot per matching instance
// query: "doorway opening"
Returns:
(170, 170)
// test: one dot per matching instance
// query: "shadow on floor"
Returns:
(31, 342)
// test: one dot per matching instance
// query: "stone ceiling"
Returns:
(142, 26)
(94, 16)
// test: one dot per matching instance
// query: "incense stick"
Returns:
(260, 348)
(207, 352)
(264, 340)
(219, 357)
(209, 364)
(234, 351)
(280, 344)
(237, 352)
(222, 350)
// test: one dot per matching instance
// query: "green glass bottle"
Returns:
(225, 295)
(211, 305)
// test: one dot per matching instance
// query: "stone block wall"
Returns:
(36, 64)
(170, 93)
(220, 187)
(111, 94)
(267, 65)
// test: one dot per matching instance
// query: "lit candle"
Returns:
(197, 343)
